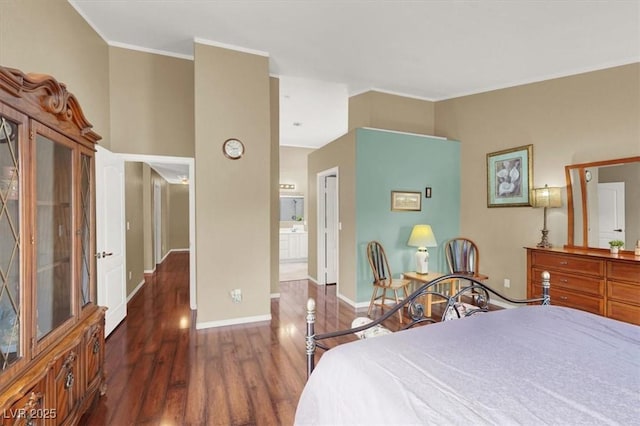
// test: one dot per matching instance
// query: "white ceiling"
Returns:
(324, 50)
(171, 172)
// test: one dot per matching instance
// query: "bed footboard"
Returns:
(477, 291)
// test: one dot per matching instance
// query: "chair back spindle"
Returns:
(463, 256)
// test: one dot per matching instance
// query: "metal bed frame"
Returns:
(478, 292)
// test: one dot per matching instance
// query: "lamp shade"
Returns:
(547, 197)
(422, 236)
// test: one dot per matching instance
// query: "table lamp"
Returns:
(422, 237)
(546, 197)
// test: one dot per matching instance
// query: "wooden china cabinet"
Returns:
(51, 328)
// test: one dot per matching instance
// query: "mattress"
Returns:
(527, 365)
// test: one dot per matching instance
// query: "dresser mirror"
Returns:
(603, 201)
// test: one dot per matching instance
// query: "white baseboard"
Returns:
(234, 321)
(350, 302)
(178, 249)
(275, 295)
(359, 305)
(501, 303)
(163, 257)
(135, 290)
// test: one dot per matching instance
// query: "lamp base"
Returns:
(422, 261)
(544, 243)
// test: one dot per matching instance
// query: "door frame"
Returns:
(321, 260)
(157, 223)
(190, 162)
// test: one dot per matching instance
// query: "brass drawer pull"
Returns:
(563, 298)
(564, 280)
(564, 262)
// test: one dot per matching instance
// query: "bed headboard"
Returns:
(479, 293)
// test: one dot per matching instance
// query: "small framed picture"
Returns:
(510, 177)
(406, 201)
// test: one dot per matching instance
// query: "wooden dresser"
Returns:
(588, 279)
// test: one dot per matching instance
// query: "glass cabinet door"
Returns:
(10, 244)
(54, 234)
(88, 292)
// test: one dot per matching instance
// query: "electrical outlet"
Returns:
(236, 295)
(507, 283)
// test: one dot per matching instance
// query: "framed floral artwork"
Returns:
(510, 177)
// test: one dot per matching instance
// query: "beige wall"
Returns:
(135, 220)
(392, 112)
(49, 37)
(293, 169)
(233, 208)
(151, 103)
(178, 226)
(587, 117)
(340, 153)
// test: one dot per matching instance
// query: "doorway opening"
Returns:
(174, 170)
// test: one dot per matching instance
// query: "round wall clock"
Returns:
(233, 149)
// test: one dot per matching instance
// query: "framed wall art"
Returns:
(510, 177)
(406, 201)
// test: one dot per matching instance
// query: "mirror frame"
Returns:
(570, 211)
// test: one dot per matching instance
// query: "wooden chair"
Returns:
(383, 279)
(463, 257)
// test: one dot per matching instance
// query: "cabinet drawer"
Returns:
(66, 384)
(623, 312)
(623, 292)
(28, 410)
(568, 263)
(573, 300)
(93, 355)
(625, 271)
(573, 282)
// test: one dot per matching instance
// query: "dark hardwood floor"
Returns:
(162, 371)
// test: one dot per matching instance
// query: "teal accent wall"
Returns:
(388, 161)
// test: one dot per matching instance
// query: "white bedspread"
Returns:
(530, 365)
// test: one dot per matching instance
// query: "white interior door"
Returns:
(331, 230)
(110, 237)
(611, 218)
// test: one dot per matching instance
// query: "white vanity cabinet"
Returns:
(293, 246)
